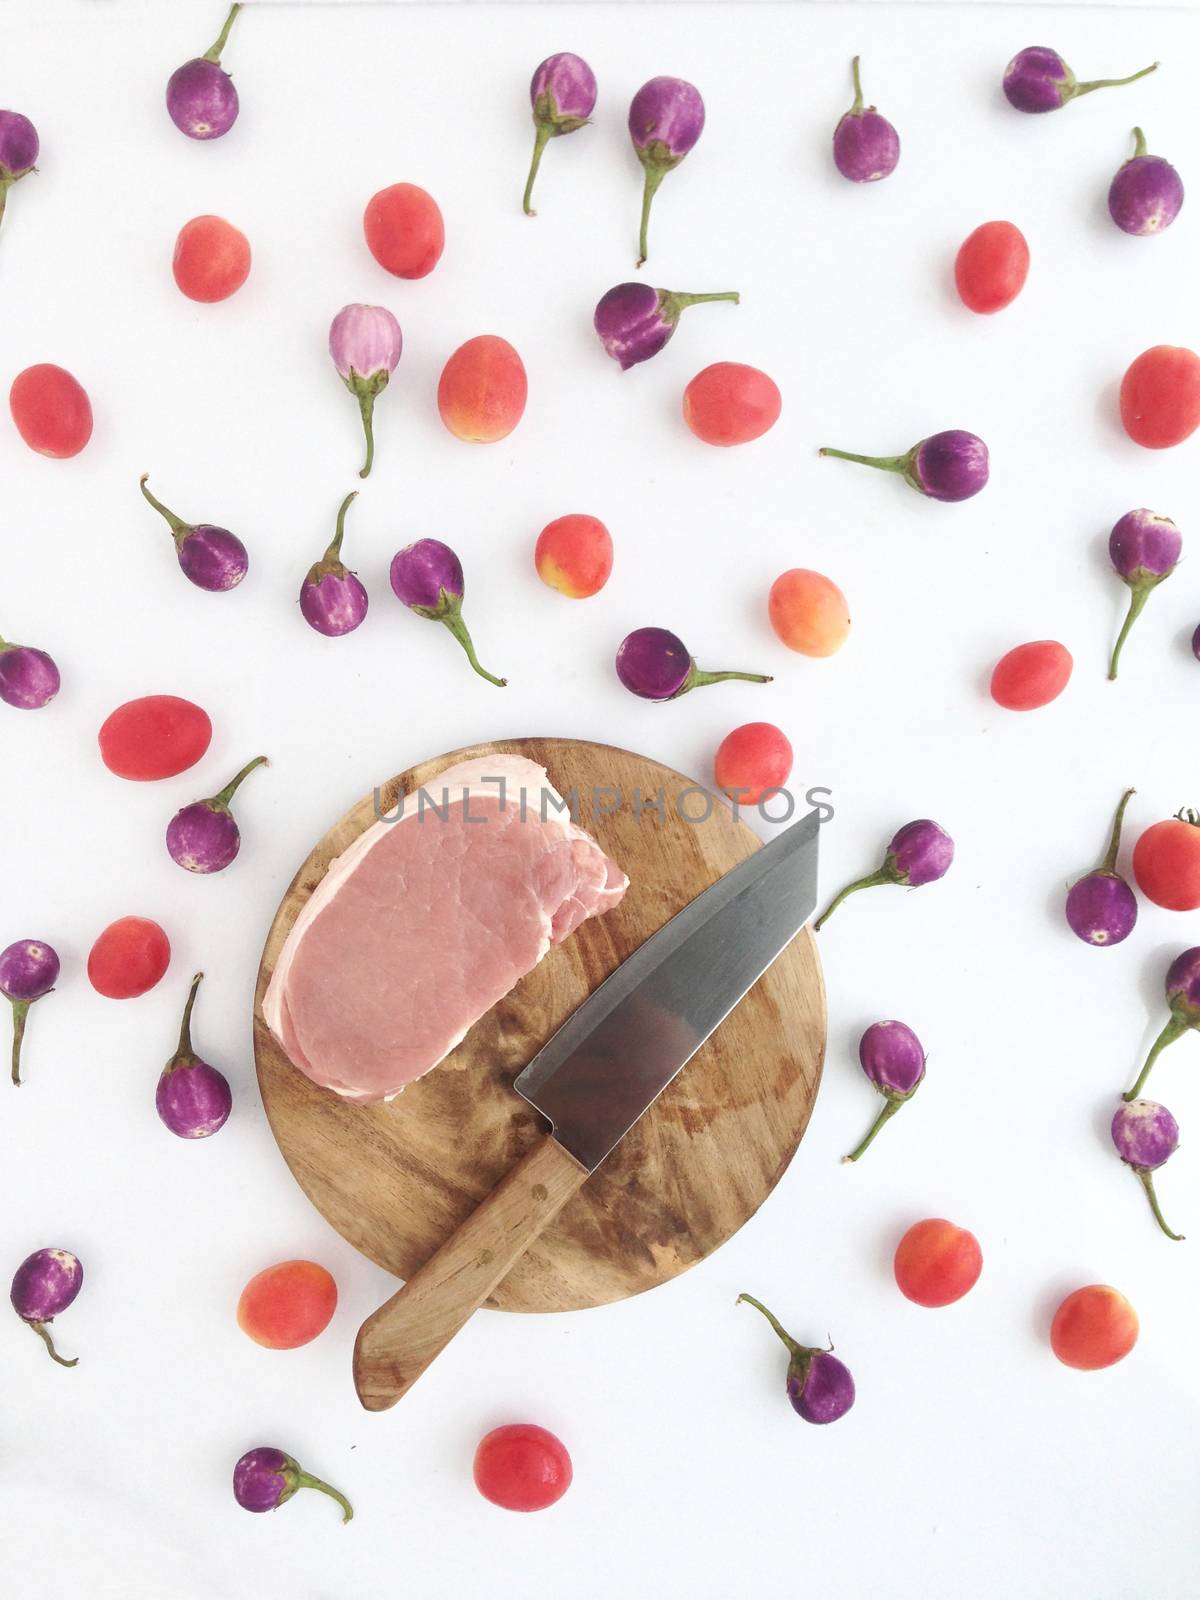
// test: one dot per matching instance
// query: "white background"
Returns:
(973, 1463)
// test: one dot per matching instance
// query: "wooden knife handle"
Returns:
(397, 1343)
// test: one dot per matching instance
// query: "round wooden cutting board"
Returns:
(395, 1180)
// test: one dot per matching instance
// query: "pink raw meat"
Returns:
(423, 924)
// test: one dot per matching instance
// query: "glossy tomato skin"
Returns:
(51, 410)
(1031, 675)
(1160, 397)
(158, 736)
(937, 1263)
(808, 612)
(212, 259)
(729, 404)
(128, 958)
(991, 267)
(574, 554)
(522, 1467)
(288, 1305)
(1166, 864)
(404, 230)
(1093, 1328)
(752, 761)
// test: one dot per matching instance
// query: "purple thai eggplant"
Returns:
(201, 99)
(428, 578)
(563, 96)
(1146, 1135)
(18, 152)
(45, 1284)
(1183, 999)
(210, 557)
(892, 1058)
(921, 852)
(947, 466)
(1101, 907)
(1038, 79)
(204, 837)
(655, 664)
(332, 599)
(1144, 548)
(665, 120)
(1147, 192)
(266, 1477)
(29, 679)
(365, 343)
(28, 971)
(635, 321)
(193, 1099)
(819, 1386)
(865, 145)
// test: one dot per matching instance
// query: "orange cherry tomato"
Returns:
(288, 1305)
(937, 1263)
(729, 403)
(482, 391)
(212, 259)
(1166, 862)
(1093, 1328)
(752, 761)
(809, 612)
(574, 554)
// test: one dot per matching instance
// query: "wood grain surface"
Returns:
(397, 1180)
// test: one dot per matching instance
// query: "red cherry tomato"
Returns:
(937, 1263)
(522, 1467)
(212, 259)
(991, 267)
(1160, 397)
(404, 230)
(1094, 1327)
(128, 958)
(482, 390)
(1031, 675)
(751, 761)
(286, 1306)
(51, 410)
(574, 555)
(1166, 864)
(730, 404)
(158, 736)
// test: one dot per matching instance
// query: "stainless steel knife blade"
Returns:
(620, 1049)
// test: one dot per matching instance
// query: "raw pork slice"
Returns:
(424, 923)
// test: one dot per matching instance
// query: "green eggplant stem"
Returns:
(366, 406)
(654, 176)
(1110, 83)
(1136, 601)
(1175, 1029)
(540, 140)
(1146, 1178)
(890, 1108)
(43, 1333)
(185, 1027)
(856, 108)
(176, 524)
(871, 881)
(334, 551)
(1109, 864)
(786, 1337)
(884, 463)
(454, 622)
(697, 679)
(213, 54)
(20, 1010)
(305, 1480)
(231, 788)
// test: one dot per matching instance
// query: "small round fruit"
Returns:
(51, 410)
(288, 1305)
(729, 403)
(1093, 1328)
(212, 259)
(1166, 864)
(128, 958)
(574, 555)
(1160, 397)
(482, 391)
(809, 612)
(522, 1467)
(158, 736)
(937, 1263)
(991, 267)
(404, 230)
(753, 760)
(1031, 675)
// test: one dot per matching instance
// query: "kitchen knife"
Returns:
(592, 1080)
